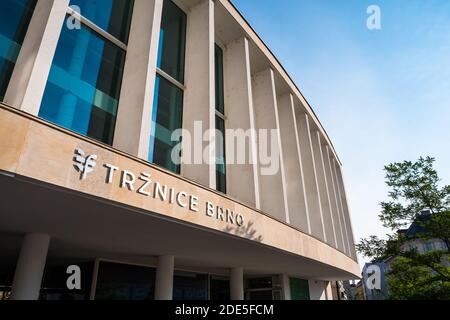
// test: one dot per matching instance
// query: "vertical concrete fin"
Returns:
(295, 184)
(134, 115)
(29, 79)
(242, 178)
(334, 200)
(309, 170)
(271, 175)
(199, 96)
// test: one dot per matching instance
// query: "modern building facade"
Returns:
(92, 183)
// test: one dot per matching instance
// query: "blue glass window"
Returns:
(82, 92)
(220, 99)
(113, 16)
(166, 118)
(15, 16)
(172, 41)
(168, 101)
(221, 174)
(221, 181)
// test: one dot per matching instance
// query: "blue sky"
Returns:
(382, 95)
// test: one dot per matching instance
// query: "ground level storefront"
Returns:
(108, 280)
(120, 253)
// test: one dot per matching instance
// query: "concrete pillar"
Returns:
(242, 178)
(237, 284)
(327, 212)
(328, 290)
(30, 267)
(285, 283)
(134, 117)
(309, 170)
(295, 183)
(334, 204)
(272, 186)
(341, 207)
(28, 81)
(350, 229)
(199, 96)
(164, 278)
(317, 290)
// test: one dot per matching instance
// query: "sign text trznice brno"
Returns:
(145, 186)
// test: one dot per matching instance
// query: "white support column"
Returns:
(30, 267)
(351, 235)
(341, 207)
(310, 176)
(285, 283)
(134, 117)
(242, 179)
(199, 96)
(328, 290)
(237, 284)
(328, 222)
(272, 181)
(28, 81)
(164, 278)
(295, 184)
(317, 290)
(334, 203)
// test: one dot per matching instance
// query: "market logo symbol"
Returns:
(84, 164)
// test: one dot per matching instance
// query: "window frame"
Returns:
(161, 72)
(107, 37)
(95, 28)
(220, 115)
(165, 76)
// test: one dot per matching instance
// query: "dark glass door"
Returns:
(190, 286)
(124, 282)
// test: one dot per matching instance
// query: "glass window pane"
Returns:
(190, 286)
(113, 16)
(124, 282)
(221, 184)
(54, 282)
(172, 41)
(219, 288)
(259, 283)
(166, 118)
(82, 92)
(220, 103)
(15, 16)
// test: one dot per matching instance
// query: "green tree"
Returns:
(414, 188)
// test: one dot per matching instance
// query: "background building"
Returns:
(92, 91)
(413, 242)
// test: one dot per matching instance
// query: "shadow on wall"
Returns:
(245, 231)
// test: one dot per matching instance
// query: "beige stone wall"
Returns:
(35, 149)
